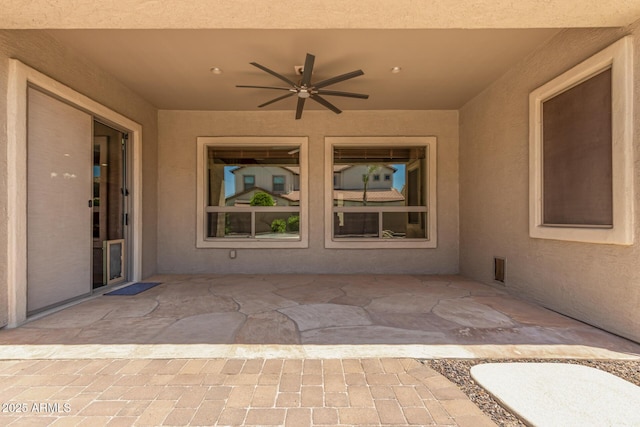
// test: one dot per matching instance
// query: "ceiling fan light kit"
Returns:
(305, 89)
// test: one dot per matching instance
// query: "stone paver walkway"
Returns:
(292, 392)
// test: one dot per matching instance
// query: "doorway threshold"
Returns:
(95, 294)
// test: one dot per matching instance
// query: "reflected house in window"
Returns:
(252, 192)
(279, 181)
(356, 185)
(383, 192)
(360, 185)
(282, 183)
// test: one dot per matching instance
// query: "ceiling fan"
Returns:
(305, 89)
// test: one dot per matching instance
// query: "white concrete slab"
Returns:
(261, 351)
(559, 394)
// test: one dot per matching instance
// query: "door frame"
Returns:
(21, 76)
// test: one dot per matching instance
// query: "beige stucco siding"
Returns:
(598, 284)
(44, 54)
(264, 178)
(353, 178)
(178, 131)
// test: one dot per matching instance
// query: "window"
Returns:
(581, 160)
(278, 183)
(365, 212)
(242, 197)
(249, 181)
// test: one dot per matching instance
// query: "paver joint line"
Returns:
(182, 401)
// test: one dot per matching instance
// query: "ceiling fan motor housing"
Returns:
(304, 92)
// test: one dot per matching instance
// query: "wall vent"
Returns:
(499, 269)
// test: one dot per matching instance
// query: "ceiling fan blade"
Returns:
(273, 73)
(265, 87)
(340, 93)
(337, 79)
(307, 70)
(299, 108)
(320, 100)
(276, 99)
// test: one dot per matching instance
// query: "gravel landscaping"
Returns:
(458, 371)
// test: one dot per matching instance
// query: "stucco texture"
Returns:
(178, 131)
(44, 54)
(598, 284)
(18, 14)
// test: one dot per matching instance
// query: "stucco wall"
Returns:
(44, 54)
(178, 131)
(598, 284)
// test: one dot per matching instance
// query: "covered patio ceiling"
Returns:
(440, 69)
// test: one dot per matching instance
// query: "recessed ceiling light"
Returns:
(396, 70)
(216, 70)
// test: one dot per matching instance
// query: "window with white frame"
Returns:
(581, 151)
(364, 211)
(252, 192)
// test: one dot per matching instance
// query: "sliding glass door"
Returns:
(59, 202)
(76, 203)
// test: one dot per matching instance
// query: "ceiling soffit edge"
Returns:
(327, 14)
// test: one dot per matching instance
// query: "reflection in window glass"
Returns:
(253, 192)
(229, 224)
(359, 224)
(277, 225)
(278, 184)
(357, 174)
(396, 226)
(249, 182)
(237, 175)
(367, 206)
(413, 196)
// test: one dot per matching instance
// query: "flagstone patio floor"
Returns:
(439, 315)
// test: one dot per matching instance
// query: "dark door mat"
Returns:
(134, 288)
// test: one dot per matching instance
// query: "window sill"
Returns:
(240, 243)
(380, 244)
(611, 236)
